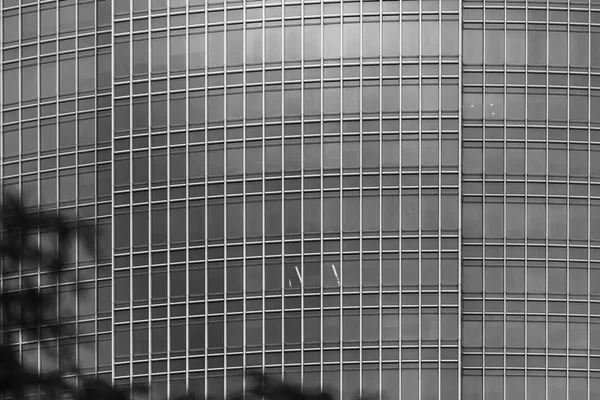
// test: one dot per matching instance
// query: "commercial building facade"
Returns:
(362, 195)
(529, 197)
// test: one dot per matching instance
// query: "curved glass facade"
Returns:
(261, 206)
(329, 192)
(56, 148)
(531, 175)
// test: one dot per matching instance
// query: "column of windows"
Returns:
(528, 198)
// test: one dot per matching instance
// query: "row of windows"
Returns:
(29, 115)
(351, 242)
(291, 103)
(332, 72)
(293, 8)
(575, 6)
(85, 130)
(535, 279)
(53, 19)
(501, 156)
(292, 44)
(273, 187)
(84, 127)
(414, 383)
(534, 47)
(271, 277)
(66, 186)
(531, 133)
(291, 331)
(83, 74)
(286, 217)
(343, 380)
(496, 308)
(534, 104)
(515, 249)
(536, 14)
(254, 18)
(252, 360)
(28, 52)
(534, 190)
(540, 159)
(372, 275)
(558, 83)
(515, 219)
(571, 4)
(290, 157)
(553, 78)
(253, 302)
(292, 359)
(537, 306)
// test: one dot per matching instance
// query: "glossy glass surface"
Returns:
(531, 181)
(285, 160)
(56, 148)
(277, 188)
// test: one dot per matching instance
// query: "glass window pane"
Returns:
(293, 43)
(472, 46)
(351, 34)
(178, 53)
(312, 42)
(331, 41)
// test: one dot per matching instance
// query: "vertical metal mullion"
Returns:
(460, 199)
(341, 197)
(38, 150)
(245, 178)
(95, 356)
(321, 194)
(400, 68)
(21, 334)
(263, 177)
(168, 202)
(439, 202)
(186, 223)
(225, 192)
(149, 166)
(282, 207)
(282, 189)
(568, 264)
(589, 187)
(526, 224)
(205, 195)
(77, 249)
(130, 100)
(361, 194)
(302, 197)
(112, 121)
(380, 216)
(420, 198)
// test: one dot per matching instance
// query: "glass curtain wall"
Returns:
(275, 185)
(274, 165)
(531, 211)
(56, 150)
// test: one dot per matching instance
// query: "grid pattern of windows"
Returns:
(530, 198)
(55, 146)
(274, 165)
(279, 184)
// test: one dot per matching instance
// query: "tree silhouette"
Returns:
(35, 249)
